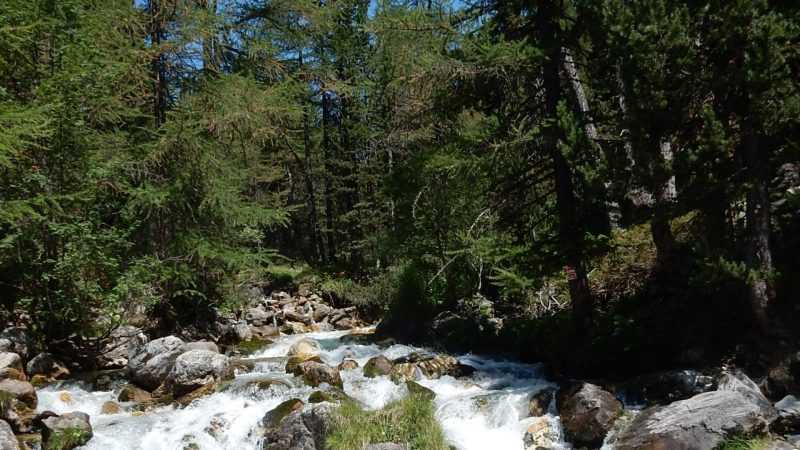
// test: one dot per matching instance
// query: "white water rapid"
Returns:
(483, 412)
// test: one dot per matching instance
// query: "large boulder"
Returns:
(259, 316)
(702, 422)
(202, 345)
(300, 430)
(315, 373)
(131, 393)
(11, 366)
(197, 368)
(7, 439)
(47, 365)
(67, 431)
(274, 416)
(150, 364)
(377, 366)
(587, 413)
(539, 403)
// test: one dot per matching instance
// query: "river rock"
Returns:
(295, 328)
(47, 365)
(662, 388)
(315, 373)
(259, 316)
(699, 423)
(20, 391)
(788, 421)
(417, 365)
(539, 403)
(274, 416)
(737, 381)
(541, 434)
(115, 352)
(110, 407)
(7, 439)
(304, 348)
(415, 388)
(197, 368)
(16, 340)
(321, 311)
(131, 393)
(348, 364)
(202, 345)
(293, 364)
(300, 430)
(66, 431)
(152, 363)
(264, 332)
(19, 401)
(587, 414)
(11, 366)
(377, 366)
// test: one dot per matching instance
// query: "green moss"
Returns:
(410, 420)
(252, 346)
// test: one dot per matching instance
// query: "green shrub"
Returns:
(410, 420)
(745, 443)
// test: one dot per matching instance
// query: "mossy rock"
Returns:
(377, 366)
(274, 416)
(415, 388)
(252, 346)
(332, 396)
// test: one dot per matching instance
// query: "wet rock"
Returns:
(304, 348)
(315, 373)
(202, 345)
(345, 323)
(11, 366)
(587, 413)
(788, 421)
(377, 366)
(332, 395)
(66, 431)
(264, 332)
(348, 364)
(277, 414)
(110, 407)
(131, 393)
(197, 368)
(202, 391)
(666, 387)
(779, 444)
(417, 365)
(541, 434)
(700, 423)
(539, 403)
(7, 439)
(153, 362)
(415, 388)
(293, 363)
(295, 316)
(46, 364)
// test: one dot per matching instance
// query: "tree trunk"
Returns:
(570, 233)
(158, 73)
(759, 256)
(330, 231)
(664, 196)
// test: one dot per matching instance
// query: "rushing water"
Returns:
(484, 411)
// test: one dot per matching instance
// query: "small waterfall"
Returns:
(485, 411)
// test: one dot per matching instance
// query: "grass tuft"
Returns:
(408, 421)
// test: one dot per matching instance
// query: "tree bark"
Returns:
(664, 196)
(330, 231)
(158, 73)
(759, 255)
(570, 233)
